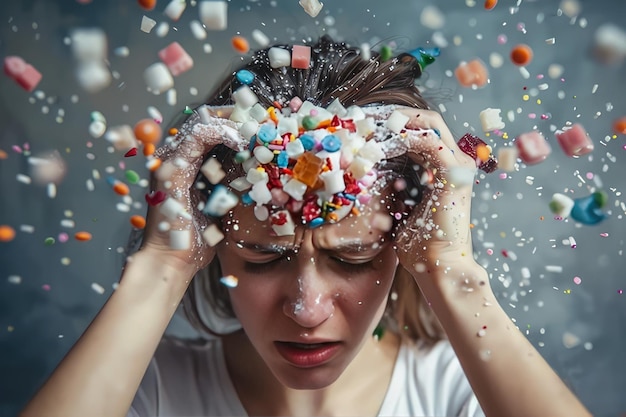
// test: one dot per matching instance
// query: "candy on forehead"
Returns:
(305, 164)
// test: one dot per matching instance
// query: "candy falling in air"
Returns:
(23, 73)
(240, 44)
(229, 281)
(7, 233)
(490, 4)
(138, 222)
(472, 73)
(147, 4)
(176, 59)
(82, 236)
(588, 210)
(533, 147)
(148, 131)
(619, 126)
(311, 7)
(521, 55)
(574, 141)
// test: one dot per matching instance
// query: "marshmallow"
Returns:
(574, 141)
(532, 147)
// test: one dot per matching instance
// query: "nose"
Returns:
(309, 303)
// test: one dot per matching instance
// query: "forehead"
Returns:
(372, 223)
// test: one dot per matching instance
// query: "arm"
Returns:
(102, 372)
(507, 374)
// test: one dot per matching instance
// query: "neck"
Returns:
(360, 390)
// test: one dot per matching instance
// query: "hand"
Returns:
(178, 214)
(437, 233)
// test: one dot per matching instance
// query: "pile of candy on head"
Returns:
(306, 164)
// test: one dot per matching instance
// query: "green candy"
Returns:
(49, 241)
(385, 53)
(308, 123)
(131, 176)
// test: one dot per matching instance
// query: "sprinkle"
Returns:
(97, 288)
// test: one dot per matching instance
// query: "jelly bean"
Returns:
(138, 222)
(316, 222)
(490, 4)
(240, 44)
(147, 4)
(82, 236)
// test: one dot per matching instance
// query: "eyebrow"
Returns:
(352, 246)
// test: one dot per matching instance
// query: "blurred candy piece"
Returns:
(24, 74)
(220, 201)
(279, 57)
(300, 56)
(176, 58)
(212, 170)
(311, 7)
(490, 120)
(82, 236)
(521, 54)
(93, 76)
(469, 144)
(574, 141)
(561, 205)
(507, 158)
(533, 147)
(244, 97)
(89, 44)
(121, 137)
(158, 78)
(214, 14)
(282, 223)
(619, 126)
(588, 210)
(212, 235)
(137, 221)
(396, 121)
(155, 198)
(307, 169)
(610, 44)
(175, 9)
(147, 131)
(425, 56)
(147, 24)
(147, 4)
(472, 73)
(229, 281)
(490, 4)
(47, 168)
(7, 233)
(240, 44)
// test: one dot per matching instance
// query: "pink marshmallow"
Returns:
(533, 147)
(295, 103)
(23, 73)
(176, 58)
(574, 141)
(300, 56)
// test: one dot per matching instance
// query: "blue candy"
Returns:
(246, 199)
(331, 143)
(266, 133)
(282, 160)
(316, 222)
(588, 210)
(308, 142)
(244, 77)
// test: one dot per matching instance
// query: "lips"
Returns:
(307, 355)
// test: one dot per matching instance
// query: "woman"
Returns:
(309, 274)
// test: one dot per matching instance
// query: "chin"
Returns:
(309, 379)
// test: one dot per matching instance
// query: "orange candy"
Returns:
(121, 188)
(619, 126)
(483, 152)
(3, 154)
(240, 44)
(7, 233)
(521, 54)
(472, 73)
(148, 148)
(138, 221)
(490, 4)
(148, 131)
(147, 4)
(82, 236)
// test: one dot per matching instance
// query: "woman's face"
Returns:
(308, 302)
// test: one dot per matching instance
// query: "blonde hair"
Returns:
(337, 71)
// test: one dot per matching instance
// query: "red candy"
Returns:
(155, 198)
(574, 141)
(533, 148)
(469, 144)
(23, 73)
(176, 58)
(300, 57)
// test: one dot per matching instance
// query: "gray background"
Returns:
(38, 326)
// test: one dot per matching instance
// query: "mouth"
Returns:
(307, 355)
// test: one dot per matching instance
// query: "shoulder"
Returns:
(429, 380)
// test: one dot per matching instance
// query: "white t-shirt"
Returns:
(190, 379)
